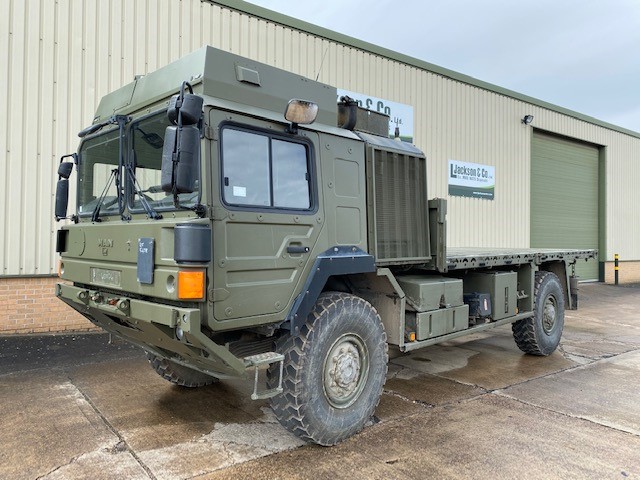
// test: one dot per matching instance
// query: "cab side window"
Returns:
(264, 170)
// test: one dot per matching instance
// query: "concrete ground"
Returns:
(78, 407)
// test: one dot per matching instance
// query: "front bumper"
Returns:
(153, 327)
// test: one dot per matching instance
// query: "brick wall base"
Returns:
(629, 272)
(29, 305)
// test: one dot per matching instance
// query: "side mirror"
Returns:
(62, 198)
(181, 149)
(180, 159)
(189, 105)
(62, 187)
(65, 169)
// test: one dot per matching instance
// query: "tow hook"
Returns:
(123, 306)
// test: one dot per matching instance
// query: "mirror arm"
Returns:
(121, 120)
(292, 129)
(176, 200)
(70, 155)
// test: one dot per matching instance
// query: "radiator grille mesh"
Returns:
(401, 207)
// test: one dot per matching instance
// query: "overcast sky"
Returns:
(580, 54)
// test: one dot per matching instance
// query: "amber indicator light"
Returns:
(190, 284)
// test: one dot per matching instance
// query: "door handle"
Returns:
(297, 249)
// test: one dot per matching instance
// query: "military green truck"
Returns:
(229, 240)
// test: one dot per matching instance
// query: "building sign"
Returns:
(471, 179)
(400, 115)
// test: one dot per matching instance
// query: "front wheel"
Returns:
(540, 334)
(334, 370)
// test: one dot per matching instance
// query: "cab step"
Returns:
(259, 360)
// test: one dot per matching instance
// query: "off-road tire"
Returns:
(540, 334)
(323, 400)
(178, 374)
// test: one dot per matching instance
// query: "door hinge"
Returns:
(218, 294)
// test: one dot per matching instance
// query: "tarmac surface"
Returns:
(75, 406)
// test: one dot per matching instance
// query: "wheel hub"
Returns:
(345, 371)
(549, 315)
(347, 367)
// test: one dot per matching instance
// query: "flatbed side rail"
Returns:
(464, 259)
(567, 256)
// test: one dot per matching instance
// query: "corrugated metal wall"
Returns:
(63, 55)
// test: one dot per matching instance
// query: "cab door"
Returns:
(268, 215)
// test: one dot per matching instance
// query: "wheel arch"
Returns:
(338, 262)
(351, 270)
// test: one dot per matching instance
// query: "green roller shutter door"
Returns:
(564, 197)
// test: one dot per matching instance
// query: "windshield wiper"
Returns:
(113, 120)
(137, 190)
(95, 216)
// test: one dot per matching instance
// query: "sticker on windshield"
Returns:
(239, 191)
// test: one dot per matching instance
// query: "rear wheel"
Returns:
(334, 370)
(178, 374)
(540, 334)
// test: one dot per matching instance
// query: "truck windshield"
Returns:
(147, 140)
(99, 159)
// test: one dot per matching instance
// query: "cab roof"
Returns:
(219, 74)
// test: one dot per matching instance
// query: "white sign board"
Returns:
(471, 179)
